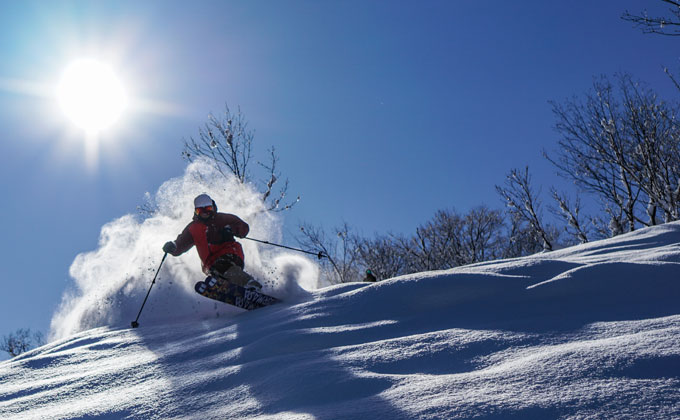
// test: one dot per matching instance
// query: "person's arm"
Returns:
(183, 243)
(239, 228)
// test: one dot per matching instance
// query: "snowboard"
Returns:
(220, 290)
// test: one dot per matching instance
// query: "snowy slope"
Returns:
(591, 331)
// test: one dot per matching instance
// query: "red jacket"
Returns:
(207, 236)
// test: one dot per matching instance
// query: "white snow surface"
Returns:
(588, 332)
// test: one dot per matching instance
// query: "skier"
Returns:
(370, 277)
(213, 234)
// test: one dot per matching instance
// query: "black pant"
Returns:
(225, 262)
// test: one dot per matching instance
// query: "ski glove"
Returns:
(169, 247)
(227, 234)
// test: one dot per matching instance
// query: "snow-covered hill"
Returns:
(591, 331)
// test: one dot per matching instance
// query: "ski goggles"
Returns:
(206, 209)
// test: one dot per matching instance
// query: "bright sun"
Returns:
(91, 95)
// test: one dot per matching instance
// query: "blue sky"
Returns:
(381, 112)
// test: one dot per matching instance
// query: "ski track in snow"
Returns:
(588, 332)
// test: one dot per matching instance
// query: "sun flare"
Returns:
(91, 95)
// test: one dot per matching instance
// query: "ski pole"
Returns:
(319, 255)
(135, 324)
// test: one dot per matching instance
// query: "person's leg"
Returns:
(230, 268)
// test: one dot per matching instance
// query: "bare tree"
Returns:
(576, 227)
(623, 146)
(227, 142)
(21, 341)
(663, 25)
(482, 235)
(593, 149)
(610, 226)
(435, 245)
(655, 136)
(382, 256)
(521, 239)
(667, 25)
(340, 266)
(524, 205)
(450, 240)
(447, 240)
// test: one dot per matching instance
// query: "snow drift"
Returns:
(590, 332)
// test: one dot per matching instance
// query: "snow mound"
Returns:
(586, 332)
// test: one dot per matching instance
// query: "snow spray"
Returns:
(109, 282)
